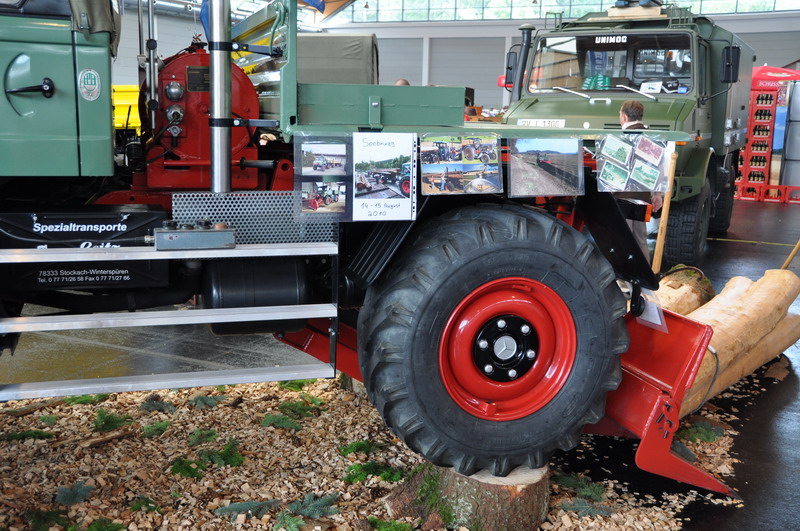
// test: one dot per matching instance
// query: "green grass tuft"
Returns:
(296, 410)
(27, 434)
(143, 503)
(77, 493)
(200, 436)
(253, 509)
(314, 507)
(104, 524)
(48, 420)
(155, 429)
(154, 402)
(700, 431)
(366, 447)
(583, 487)
(86, 399)
(228, 456)
(394, 525)
(295, 385)
(288, 522)
(187, 468)
(280, 421)
(105, 421)
(44, 520)
(205, 401)
(360, 472)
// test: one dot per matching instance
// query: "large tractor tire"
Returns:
(687, 229)
(723, 200)
(493, 338)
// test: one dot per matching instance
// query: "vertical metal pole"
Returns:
(152, 59)
(220, 29)
(140, 15)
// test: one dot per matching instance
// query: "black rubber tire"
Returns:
(469, 152)
(723, 204)
(406, 311)
(687, 229)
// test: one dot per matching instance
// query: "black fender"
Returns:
(607, 225)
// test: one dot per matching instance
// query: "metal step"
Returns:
(162, 381)
(164, 317)
(10, 256)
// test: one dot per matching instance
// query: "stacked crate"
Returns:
(752, 181)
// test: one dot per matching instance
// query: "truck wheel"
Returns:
(469, 152)
(493, 339)
(485, 158)
(723, 206)
(327, 200)
(687, 229)
(405, 187)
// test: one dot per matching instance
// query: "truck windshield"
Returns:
(652, 63)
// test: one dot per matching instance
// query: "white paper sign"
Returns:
(384, 176)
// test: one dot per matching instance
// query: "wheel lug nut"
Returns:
(525, 329)
(488, 369)
(531, 354)
(501, 324)
(512, 373)
(483, 344)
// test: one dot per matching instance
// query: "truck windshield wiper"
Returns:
(645, 94)
(582, 95)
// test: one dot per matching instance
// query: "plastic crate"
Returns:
(773, 193)
(792, 194)
(748, 192)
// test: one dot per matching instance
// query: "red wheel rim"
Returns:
(470, 387)
(406, 187)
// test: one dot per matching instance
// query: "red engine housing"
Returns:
(183, 161)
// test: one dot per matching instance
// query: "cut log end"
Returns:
(443, 498)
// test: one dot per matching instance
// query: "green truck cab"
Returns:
(690, 74)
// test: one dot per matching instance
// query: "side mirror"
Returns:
(511, 66)
(729, 70)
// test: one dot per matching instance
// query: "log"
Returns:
(771, 345)
(684, 290)
(741, 315)
(443, 498)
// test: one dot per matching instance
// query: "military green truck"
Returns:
(690, 74)
(487, 329)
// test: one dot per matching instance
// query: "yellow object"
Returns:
(126, 97)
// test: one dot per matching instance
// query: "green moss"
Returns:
(27, 434)
(86, 399)
(429, 495)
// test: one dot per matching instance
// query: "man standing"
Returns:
(631, 114)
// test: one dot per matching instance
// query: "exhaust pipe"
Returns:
(220, 72)
(524, 50)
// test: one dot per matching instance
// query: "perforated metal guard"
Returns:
(257, 217)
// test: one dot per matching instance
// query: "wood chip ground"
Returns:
(280, 464)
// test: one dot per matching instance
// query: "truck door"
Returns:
(703, 111)
(38, 126)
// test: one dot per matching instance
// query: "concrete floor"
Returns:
(761, 237)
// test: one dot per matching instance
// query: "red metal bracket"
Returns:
(657, 370)
(315, 340)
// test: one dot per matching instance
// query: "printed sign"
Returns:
(322, 175)
(89, 84)
(384, 176)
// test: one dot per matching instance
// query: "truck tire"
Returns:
(723, 204)
(479, 292)
(687, 229)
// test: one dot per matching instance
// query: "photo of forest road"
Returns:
(545, 167)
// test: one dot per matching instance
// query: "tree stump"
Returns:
(440, 498)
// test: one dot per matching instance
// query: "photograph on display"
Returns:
(324, 197)
(439, 149)
(320, 159)
(460, 165)
(618, 149)
(646, 168)
(483, 149)
(645, 174)
(461, 179)
(384, 176)
(649, 150)
(615, 177)
(545, 167)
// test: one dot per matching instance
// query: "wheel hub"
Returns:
(505, 348)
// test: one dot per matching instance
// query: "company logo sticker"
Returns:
(89, 85)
